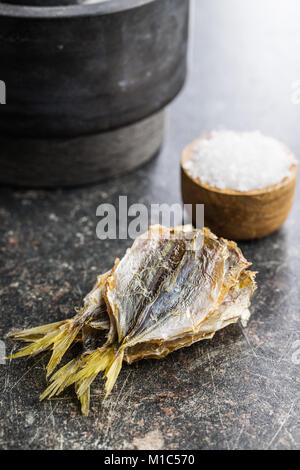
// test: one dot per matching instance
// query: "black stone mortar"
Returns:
(86, 86)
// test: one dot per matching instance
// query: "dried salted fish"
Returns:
(172, 288)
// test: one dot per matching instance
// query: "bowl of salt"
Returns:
(245, 180)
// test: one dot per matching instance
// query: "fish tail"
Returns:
(84, 399)
(61, 344)
(81, 372)
(95, 363)
(61, 379)
(104, 359)
(38, 344)
(112, 372)
(56, 336)
(33, 334)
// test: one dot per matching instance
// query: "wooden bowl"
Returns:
(239, 215)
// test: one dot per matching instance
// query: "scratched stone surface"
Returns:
(237, 391)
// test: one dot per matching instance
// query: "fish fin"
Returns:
(90, 367)
(84, 399)
(60, 345)
(95, 363)
(81, 371)
(35, 333)
(85, 402)
(112, 372)
(37, 346)
(56, 336)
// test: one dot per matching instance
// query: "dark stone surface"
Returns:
(239, 390)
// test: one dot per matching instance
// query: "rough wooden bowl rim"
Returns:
(186, 154)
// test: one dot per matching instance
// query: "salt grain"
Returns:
(241, 161)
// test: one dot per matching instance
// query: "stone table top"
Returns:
(239, 390)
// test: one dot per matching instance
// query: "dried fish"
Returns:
(172, 288)
(60, 335)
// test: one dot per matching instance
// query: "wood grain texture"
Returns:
(239, 215)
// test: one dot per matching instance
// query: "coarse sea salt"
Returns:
(242, 161)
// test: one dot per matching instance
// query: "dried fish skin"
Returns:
(184, 295)
(94, 306)
(235, 307)
(136, 279)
